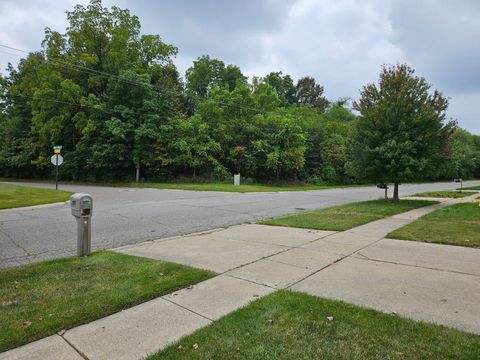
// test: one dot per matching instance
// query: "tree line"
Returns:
(115, 101)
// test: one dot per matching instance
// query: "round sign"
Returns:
(57, 159)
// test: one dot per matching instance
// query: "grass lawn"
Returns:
(13, 196)
(40, 299)
(227, 187)
(347, 216)
(447, 194)
(470, 188)
(458, 224)
(290, 325)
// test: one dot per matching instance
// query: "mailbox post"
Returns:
(385, 187)
(82, 207)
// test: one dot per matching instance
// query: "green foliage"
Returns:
(193, 146)
(207, 72)
(286, 148)
(283, 86)
(400, 135)
(465, 159)
(114, 99)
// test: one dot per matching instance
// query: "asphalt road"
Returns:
(124, 215)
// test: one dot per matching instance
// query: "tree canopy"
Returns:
(114, 99)
(401, 134)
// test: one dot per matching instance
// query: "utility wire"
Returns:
(75, 104)
(153, 87)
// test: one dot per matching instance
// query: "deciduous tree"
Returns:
(401, 134)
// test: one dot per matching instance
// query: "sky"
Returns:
(341, 43)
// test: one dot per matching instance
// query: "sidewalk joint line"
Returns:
(250, 281)
(254, 261)
(184, 307)
(74, 348)
(333, 263)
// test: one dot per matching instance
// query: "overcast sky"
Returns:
(342, 43)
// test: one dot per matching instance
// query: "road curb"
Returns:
(35, 206)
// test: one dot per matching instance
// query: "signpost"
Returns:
(57, 160)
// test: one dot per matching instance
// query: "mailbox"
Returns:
(81, 206)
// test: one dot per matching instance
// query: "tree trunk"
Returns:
(386, 193)
(194, 172)
(395, 192)
(137, 174)
(278, 173)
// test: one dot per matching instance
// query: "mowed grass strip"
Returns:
(290, 325)
(14, 196)
(470, 188)
(344, 217)
(228, 187)
(458, 224)
(447, 194)
(41, 299)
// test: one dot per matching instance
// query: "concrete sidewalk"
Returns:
(434, 283)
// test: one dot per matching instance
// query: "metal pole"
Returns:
(56, 171)
(84, 230)
(79, 236)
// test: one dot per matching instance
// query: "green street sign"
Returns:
(57, 147)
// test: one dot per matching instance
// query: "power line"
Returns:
(85, 69)
(73, 104)
(153, 87)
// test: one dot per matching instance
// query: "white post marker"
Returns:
(236, 180)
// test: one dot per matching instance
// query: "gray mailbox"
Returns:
(82, 208)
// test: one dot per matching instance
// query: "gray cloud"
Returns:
(226, 29)
(441, 38)
(342, 43)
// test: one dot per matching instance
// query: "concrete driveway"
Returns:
(126, 216)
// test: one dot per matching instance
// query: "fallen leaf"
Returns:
(180, 347)
(195, 346)
(255, 295)
(161, 274)
(40, 318)
(270, 321)
(61, 332)
(238, 349)
(27, 323)
(329, 318)
(9, 302)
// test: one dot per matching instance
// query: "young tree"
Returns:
(401, 134)
(287, 152)
(193, 147)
